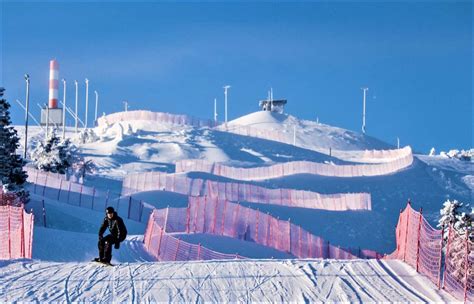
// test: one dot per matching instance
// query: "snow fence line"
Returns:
(16, 232)
(154, 116)
(54, 187)
(296, 167)
(152, 181)
(223, 218)
(421, 246)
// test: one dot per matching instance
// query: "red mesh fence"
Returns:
(297, 167)
(420, 245)
(154, 116)
(16, 232)
(221, 217)
(55, 188)
(166, 247)
(151, 181)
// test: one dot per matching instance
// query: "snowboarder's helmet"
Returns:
(110, 210)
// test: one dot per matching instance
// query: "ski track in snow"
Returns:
(216, 281)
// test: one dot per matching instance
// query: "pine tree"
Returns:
(54, 155)
(12, 176)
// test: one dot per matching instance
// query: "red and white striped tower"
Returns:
(53, 84)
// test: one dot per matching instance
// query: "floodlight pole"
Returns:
(215, 111)
(363, 111)
(64, 108)
(87, 101)
(125, 103)
(75, 123)
(27, 79)
(47, 120)
(96, 105)
(398, 142)
(226, 87)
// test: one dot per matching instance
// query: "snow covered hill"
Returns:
(69, 240)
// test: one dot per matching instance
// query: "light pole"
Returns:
(226, 87)
(75, 123)
(215, 111)
(125, 103)
(64, 108)
(96, 105)
(27, 79)
(87, 101)
(363, 111)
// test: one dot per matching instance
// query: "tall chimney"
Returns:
(53, 84)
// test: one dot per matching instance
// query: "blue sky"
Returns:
(416, 59)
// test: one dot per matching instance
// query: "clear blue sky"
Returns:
(416, 59)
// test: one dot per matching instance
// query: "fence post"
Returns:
(289, 235)
(177, 249)
(159, 245)
(80, 197)
(223, 218)
(466, 268)
(199, 251)
(418, 240)
(45, 183)
(9, 233)
(215, 217)
(68, 191)
(93, 197)
(187, 218)
(44, 214)
(446, 257)
(299, 241)
(256, 226)
(406, 231)
(22, 244)
(36, 181)
(440, 257)
(107, 199)
(129, 205)
(166, 217)
(60, 185)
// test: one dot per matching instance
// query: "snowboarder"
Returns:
(118, 233)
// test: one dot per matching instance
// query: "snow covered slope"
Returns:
(216, 281)
(60, 270)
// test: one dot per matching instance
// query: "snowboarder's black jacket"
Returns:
(116, 227)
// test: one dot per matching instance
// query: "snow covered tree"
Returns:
(54, 155)
(84, 166)
(12, 176)
(460, 219)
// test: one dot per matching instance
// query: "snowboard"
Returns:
(103, 263)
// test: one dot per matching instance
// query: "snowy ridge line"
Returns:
(296, 167)
(16, 232)
(154, 116)
(54, 187)
(223, 218)
(420, 246)
(270, 134)
(150, 181)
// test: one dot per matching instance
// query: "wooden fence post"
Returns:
(418, 240)
(440, 257)
(406, 232)
(466, 267)
(446, 257)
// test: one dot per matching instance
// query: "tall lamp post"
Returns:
(75, 122)
(363, 111)
(27, 79)
(64, 108)
(87, 102)
(96, 105)
(226, 87)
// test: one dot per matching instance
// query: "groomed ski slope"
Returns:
(216, 281)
